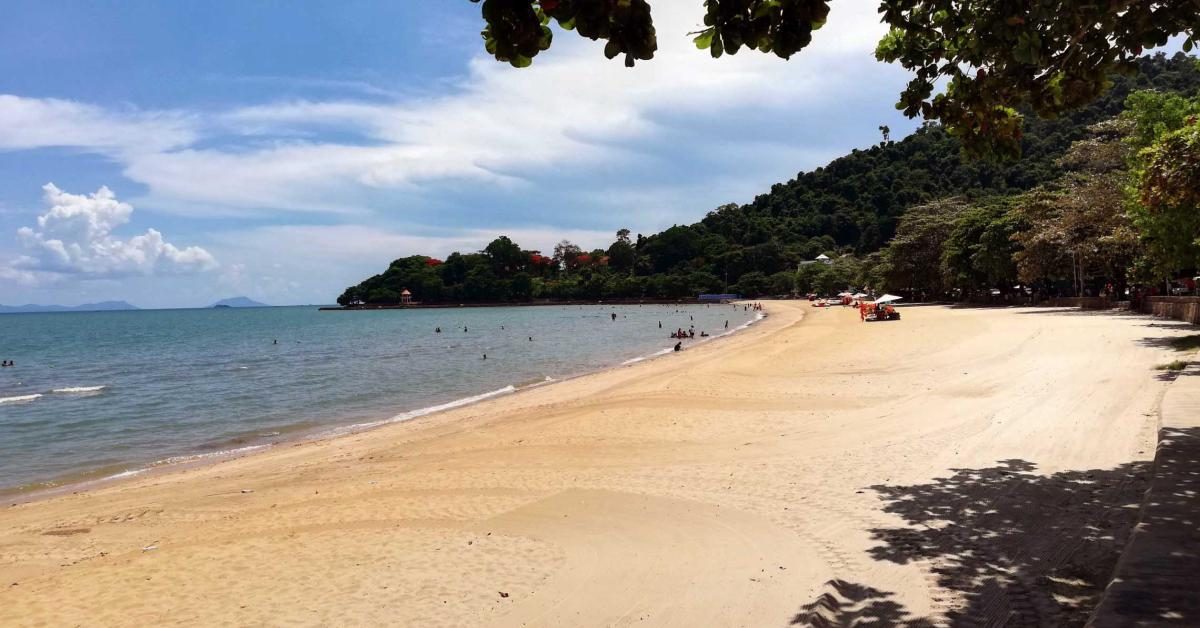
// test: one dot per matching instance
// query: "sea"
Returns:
(98, 395)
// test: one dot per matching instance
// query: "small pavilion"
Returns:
(405, 297)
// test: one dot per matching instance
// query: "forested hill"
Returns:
(851, 205)
(855, 200)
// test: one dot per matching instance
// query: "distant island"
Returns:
(103, 306)
(238, 302)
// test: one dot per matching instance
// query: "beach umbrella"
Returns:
(859, 295)
(888, 298)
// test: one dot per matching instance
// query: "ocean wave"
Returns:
(20, 398)
(79, 389)
(211, 454)
(128, 473)
(450, 405)
(419, 412)
(642, 358)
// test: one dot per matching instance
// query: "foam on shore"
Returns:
(20, 398)
(78, 389)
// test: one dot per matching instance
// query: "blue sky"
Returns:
(174, 153)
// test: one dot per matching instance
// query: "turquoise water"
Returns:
(105, 393)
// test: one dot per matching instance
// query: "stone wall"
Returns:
(1185, 309)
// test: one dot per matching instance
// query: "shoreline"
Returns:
(813, 460)
(443, 306)
(83, 481)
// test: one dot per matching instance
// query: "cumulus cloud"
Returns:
(74, 237)
(498, 127)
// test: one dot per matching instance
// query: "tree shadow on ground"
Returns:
(1011, 547)
(850, 604)
(1177, 343)
(1170, 325)
(1159, 576)
(1044, 310)
(1173, 370)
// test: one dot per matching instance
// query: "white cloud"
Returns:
(74, 237)
(47, 122)
(573, 110)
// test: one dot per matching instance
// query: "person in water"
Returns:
(614, 316)
(678, 346)
(726, 324)
(437, 330)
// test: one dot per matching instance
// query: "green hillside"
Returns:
(852, 205)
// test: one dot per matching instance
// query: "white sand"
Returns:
(787, 474)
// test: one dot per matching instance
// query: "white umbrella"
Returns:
(859, 295)
(888, 298)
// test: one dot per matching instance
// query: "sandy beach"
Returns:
(957, 467)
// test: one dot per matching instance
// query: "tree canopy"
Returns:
(994, 59)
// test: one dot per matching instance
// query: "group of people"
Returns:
(690, 333)
(881, 311)
(678, 334)
(8, 363)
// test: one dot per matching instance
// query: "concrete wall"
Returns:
(1185, 309)
(1086, 303)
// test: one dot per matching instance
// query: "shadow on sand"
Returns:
(849, 604)
(1159, 576)
(1007, 547)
